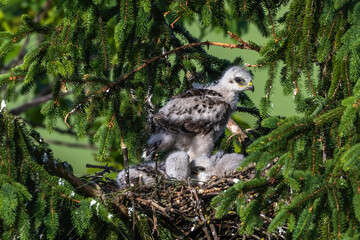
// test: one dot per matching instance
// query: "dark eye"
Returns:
(201, 169)
(239, 80)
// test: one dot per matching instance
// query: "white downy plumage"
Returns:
(192, 121)
(177, 167)
(219, 164)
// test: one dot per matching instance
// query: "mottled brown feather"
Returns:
(180, 118)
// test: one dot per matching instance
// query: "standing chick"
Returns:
(193, 120)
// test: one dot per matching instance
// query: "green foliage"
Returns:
(29, 187)
(111, 64)
(315, 177)
(92, 51)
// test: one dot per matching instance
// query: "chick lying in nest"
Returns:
(177, 167)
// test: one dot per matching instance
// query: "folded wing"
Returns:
(194, 111)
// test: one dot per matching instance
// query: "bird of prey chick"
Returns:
(225, 164)
(177, 165)
(193, 120)
(202, 168)
(219, 164)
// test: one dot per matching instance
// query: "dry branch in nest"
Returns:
(185, 207)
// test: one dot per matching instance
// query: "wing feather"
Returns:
(194, 111)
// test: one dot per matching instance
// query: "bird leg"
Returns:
(201, 145)
(156, 171)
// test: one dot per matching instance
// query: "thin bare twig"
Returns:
(201, 215)
(197, 226)
(73, 145)
(254, 65)
(236, 131)
(133, 219)
(32, 103)
(154, 204)
(177, 19)
(244, 43)
(106, 167)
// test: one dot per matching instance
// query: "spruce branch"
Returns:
(347, 75)
(288, 28)
(337, 213)
(292, 64)
(34, 102)
(126, 10)
(79, 184)
(103, 43)
(332, 27)
(146, 64)
(310, 15)
(251, 111)
(278, 135)
(177, 19)
(63, 175)
(271, 20)
(67, 32)
(309, 80)
(332, 97)
(244, 43)
(18, 58)
(306, 48)
(269, 87)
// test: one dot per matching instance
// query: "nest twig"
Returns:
(185, 207)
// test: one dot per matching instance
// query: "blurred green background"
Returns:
(78, 152)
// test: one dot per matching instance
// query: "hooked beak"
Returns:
(251, 87)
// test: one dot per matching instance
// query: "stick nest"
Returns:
(185, 207)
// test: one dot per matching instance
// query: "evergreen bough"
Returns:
(116, 62)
